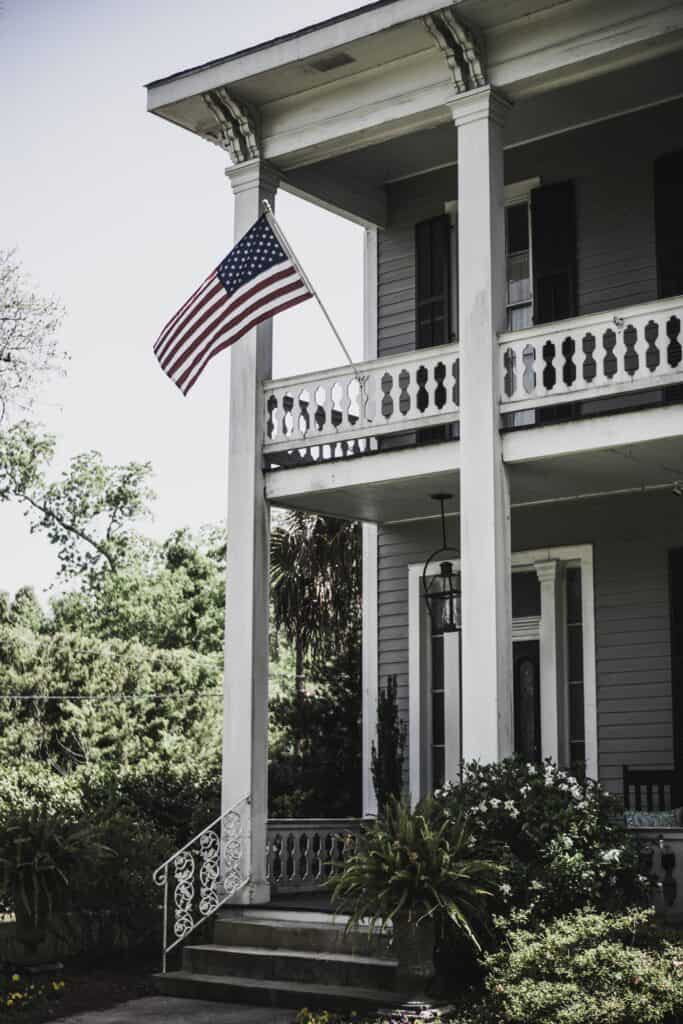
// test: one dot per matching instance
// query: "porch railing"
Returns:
(592, 356)
(203, 875)
(301, 854)
(338, 412)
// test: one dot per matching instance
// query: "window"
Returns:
(553, 231)
(433, 282)
(577, 727)
(518, 262)
(438, 751)
(669, 223)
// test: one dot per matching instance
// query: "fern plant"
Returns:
(416, 866)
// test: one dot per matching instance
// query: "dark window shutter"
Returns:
(433, 282)
(553, 254)
(676, 608)
(669, 223)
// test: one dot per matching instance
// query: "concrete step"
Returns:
(299, 931)
(267, 992)
(341, 969)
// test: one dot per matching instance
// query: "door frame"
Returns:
(549, 628)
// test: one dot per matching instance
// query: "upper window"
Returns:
(518, 260)
(433, 281)
(669, 223)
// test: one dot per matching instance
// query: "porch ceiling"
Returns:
(611, 469)
(559, 110)
(381, 488)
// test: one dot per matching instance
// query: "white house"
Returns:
(518, 169)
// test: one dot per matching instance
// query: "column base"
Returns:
(253, 894)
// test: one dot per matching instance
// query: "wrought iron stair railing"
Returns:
(203, 875)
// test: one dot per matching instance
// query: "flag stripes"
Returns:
(256, 280)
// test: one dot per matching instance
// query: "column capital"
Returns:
(479, 104)
(252, 174)
(547, 571)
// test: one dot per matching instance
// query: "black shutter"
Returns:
(676, 610)
(669, 223)
(432, 282)
(553, 254)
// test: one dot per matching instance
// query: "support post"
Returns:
(552, 709)
(245, 687)
(487, 693)
(370, 665)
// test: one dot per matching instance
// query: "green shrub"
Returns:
(557, 837)
(586, 968)
(388, 754)
(45, 839)
(419, 864)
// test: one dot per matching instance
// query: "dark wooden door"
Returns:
(527, 683)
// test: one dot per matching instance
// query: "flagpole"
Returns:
(277, 230)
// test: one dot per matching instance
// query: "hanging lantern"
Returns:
(441, 588)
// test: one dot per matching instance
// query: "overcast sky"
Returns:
(120, 215)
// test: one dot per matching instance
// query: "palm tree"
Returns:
(315, 583)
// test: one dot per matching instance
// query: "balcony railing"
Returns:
(603, 354)
(335, 413)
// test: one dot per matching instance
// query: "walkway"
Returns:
(168, 1010)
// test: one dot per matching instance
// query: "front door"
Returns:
(526, 664)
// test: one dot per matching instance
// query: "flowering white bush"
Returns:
(556, 835)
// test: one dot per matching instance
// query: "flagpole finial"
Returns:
(267, 207)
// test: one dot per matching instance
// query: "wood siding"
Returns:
(612, 166)
(631, 538)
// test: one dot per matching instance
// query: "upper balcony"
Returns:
(378, 443)
(318, 417)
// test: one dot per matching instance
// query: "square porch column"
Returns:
(245, 687)
(487, 691)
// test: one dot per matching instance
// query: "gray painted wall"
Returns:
(611, 164)
(631, 536)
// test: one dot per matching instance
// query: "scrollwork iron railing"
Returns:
(203, 875)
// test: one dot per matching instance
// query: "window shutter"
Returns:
(669, 223)
(553, 254)
(433, 282)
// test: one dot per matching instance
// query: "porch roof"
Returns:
(378, 72)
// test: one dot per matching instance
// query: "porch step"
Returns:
(340, 969)
(298, 931)
(267, 992)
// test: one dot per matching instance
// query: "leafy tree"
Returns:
(315, 584)
(168, 596)
(89, 513)
(315, 767)
(108, 702)
(28, 344)
(315, 745)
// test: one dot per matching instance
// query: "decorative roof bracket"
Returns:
(235, 128)
(460, 48)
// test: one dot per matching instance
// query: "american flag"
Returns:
(256, 280)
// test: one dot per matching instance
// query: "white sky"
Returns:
(120, 215)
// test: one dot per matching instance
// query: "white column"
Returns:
(484, 498)
(552, 704)
(245, 721)
(370, 664)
